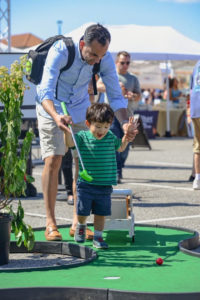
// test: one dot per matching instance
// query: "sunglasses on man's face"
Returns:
(124, 63)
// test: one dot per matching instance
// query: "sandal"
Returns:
(52, 233)
(89, 234)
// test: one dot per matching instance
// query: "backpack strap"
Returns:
(71, 55)
(46, 45)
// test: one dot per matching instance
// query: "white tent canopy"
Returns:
(148, 42)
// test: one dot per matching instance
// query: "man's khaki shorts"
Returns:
(196, 141)
(51, 137)
(76, 128)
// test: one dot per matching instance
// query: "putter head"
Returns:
(84, 174)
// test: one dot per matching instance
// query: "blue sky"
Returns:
(40, 16)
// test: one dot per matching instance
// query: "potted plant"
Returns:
(13, 158)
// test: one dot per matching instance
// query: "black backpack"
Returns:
(37, 57)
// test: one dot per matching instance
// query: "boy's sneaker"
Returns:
(99, 243)
(196, 184)
(79, 235)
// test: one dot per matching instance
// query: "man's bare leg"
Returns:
(50, 185)
(197, 163)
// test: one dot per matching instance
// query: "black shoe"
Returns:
(191, 178)
(119, 179)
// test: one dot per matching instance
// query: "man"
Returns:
(131, 90)
(72, 88)
(195, 115)
(130, 82)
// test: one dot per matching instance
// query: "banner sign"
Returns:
(149, 120)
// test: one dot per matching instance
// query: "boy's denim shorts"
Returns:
(93, 198)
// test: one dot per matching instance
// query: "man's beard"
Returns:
(89, 61)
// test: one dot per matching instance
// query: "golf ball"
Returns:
(159, 261)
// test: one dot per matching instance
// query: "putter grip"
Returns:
(63, 105)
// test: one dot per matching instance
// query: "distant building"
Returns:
(22, 41)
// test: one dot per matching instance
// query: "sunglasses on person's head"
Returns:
(124, 62)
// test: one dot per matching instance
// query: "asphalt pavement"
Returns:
(159, 181)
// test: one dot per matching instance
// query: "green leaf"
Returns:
(20, 211)
(29, 178)
(19, 235)
(30, 244)
(19, 241)
(16, 229)
(12, 188)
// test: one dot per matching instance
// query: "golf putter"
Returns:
(84, 174)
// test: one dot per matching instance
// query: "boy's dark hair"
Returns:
(100, 112)
(96, 32)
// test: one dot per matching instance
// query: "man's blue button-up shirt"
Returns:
(73, 83)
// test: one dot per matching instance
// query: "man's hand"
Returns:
(62, 121)
(130, 129)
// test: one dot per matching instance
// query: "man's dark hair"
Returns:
(100, 112)
(96, 32)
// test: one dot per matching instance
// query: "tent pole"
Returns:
(167, 133)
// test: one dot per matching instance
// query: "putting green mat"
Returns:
(129, 266)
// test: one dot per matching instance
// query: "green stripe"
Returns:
(99, 157)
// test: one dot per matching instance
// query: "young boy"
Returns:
(97, 147)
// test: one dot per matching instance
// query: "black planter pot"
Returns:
(5, 228)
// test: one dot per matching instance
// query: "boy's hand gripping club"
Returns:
(84, 174)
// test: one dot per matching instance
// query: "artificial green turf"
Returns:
(133, 263)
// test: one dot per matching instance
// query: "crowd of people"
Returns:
(98, 128)
(151, 97)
